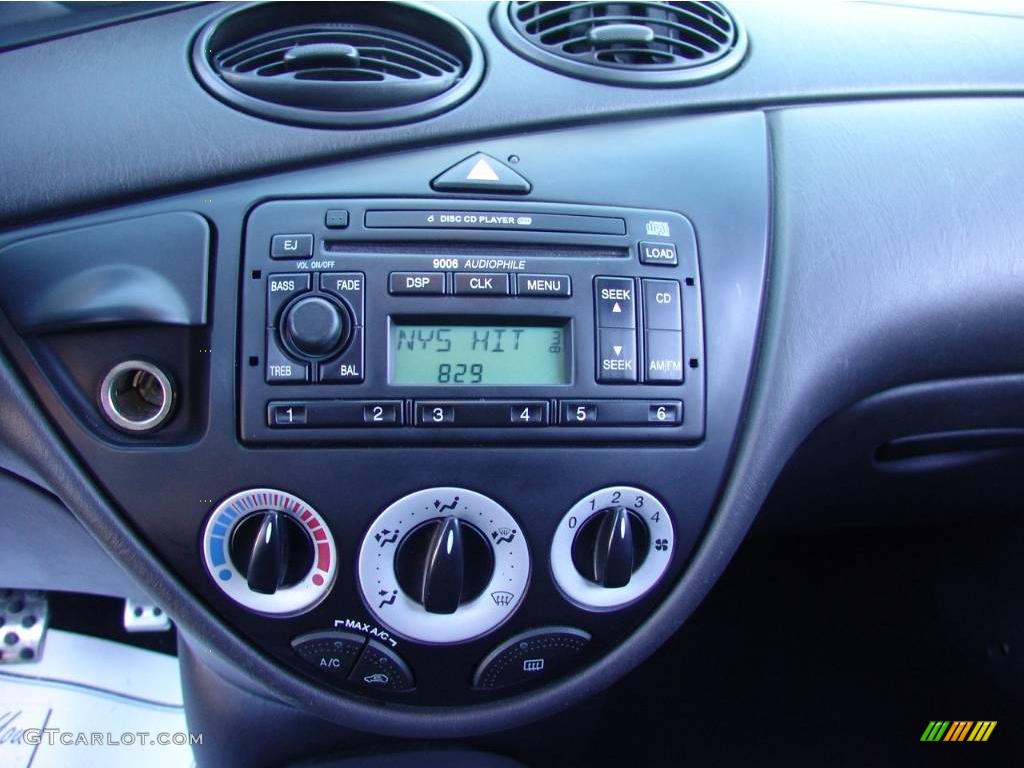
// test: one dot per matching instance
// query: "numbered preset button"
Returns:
(622, 413)
(482, 413)
(327, 414)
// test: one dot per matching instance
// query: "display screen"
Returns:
(486, 355)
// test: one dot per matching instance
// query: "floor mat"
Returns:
(90, 702)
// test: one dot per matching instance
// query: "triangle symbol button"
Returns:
(616, 307)
(618, 350)
(481, 173)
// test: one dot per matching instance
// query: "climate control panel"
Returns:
(443, 568)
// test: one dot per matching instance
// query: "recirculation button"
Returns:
(381, 669)
(532, 655)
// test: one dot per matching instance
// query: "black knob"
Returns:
(444, 563)
(610, 547)
(272, 550)
(315, 326)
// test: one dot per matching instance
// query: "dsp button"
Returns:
(422, 283)
(281, 289)
(381, 669)
(481, 284)
(347, 286)
(532, 656)
(332, 653)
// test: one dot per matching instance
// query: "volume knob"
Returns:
(315, 326)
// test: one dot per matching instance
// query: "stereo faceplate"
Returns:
(480, 321)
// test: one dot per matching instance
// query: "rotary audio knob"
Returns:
(270, 551)
(315, 326)
(444, 563)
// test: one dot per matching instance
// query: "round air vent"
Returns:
(338, 63)
(639, 43)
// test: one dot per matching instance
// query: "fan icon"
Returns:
(661, 545)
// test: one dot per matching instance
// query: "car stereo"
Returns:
(405, 320)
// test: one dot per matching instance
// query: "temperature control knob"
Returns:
(270, 551)
(443, 565)
(612, 547)
(315, 326)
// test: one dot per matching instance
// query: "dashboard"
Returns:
(435, 414)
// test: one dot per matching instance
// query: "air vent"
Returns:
(644, 44)
(338, 63)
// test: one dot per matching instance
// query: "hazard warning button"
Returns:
(481, 173)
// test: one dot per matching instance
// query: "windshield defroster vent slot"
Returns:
(338, 63)
(638, 43)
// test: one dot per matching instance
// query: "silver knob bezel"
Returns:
(287, 601)
(504, 593)
(661, 544)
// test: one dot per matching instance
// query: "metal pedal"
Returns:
(145, 618)
(23, 621)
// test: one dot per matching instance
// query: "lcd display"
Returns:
(486, 355)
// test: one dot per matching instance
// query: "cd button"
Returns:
(662, 307)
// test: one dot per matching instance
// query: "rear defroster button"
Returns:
(532, 655)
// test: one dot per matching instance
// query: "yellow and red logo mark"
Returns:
(958, 730)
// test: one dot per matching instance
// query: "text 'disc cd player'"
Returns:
(400, 320)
